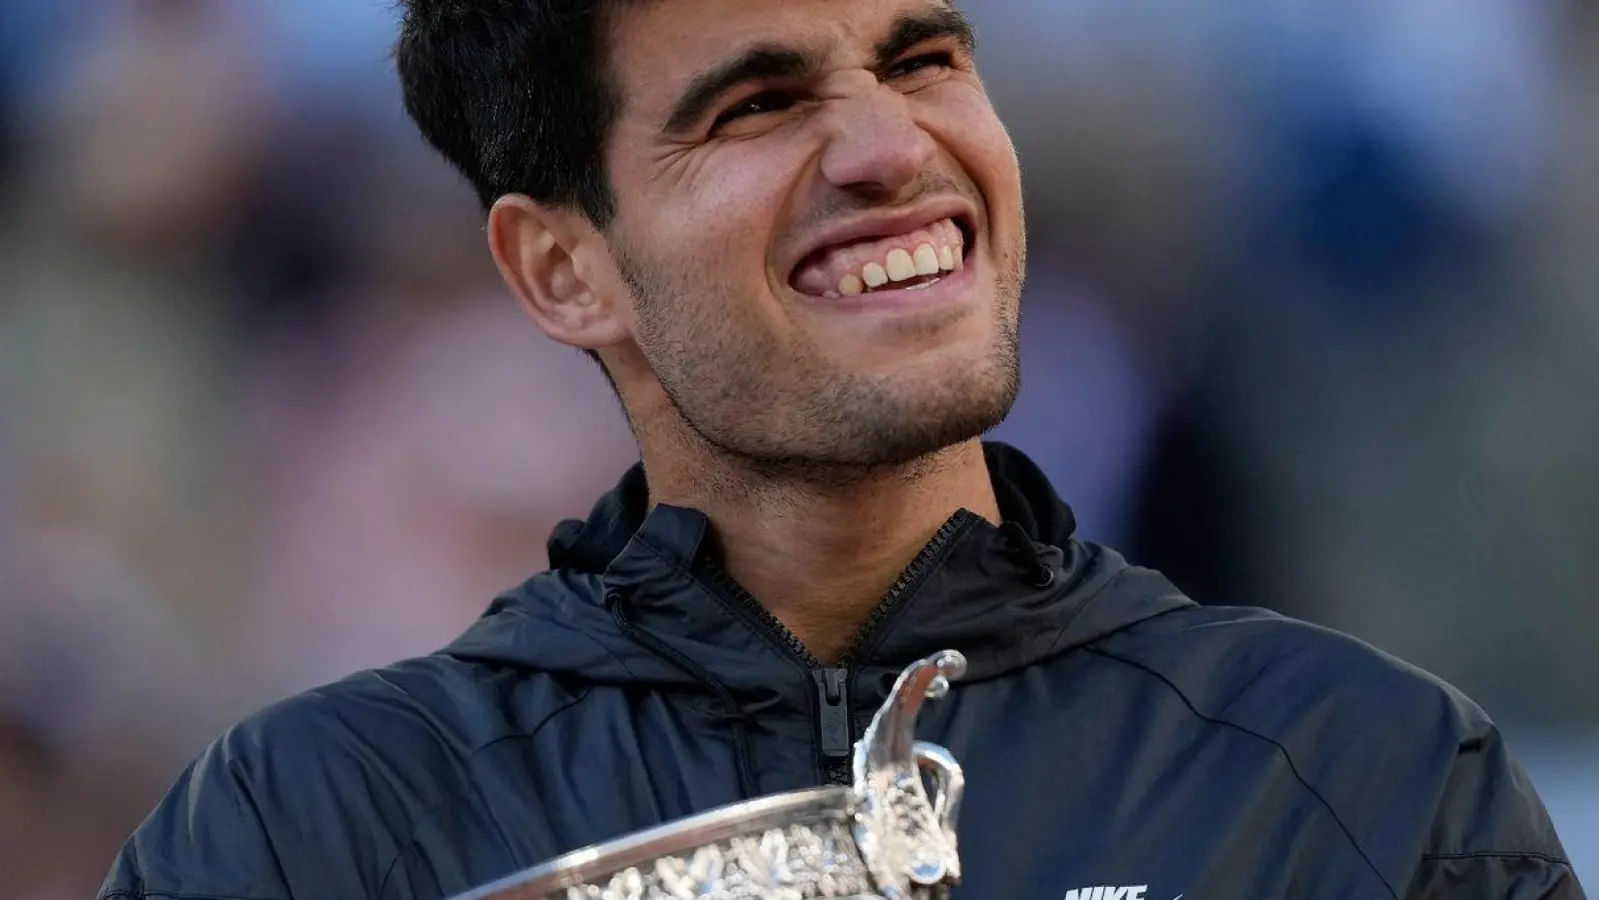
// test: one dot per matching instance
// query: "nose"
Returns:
(875, 145)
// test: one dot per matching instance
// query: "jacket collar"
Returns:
(1025, 497)
(978, 590)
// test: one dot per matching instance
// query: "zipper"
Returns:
(769, 623)
(833, 722)
(833, 718)
(838, 769)
(905, 586)
(831, 682)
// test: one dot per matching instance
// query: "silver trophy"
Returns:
(882, 838)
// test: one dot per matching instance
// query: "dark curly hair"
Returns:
(515, 95)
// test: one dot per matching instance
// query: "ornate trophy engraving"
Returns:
(883, 838)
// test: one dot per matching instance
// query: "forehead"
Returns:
(661, 45)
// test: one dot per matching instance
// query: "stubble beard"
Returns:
(810, 423)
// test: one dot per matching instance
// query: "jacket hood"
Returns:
(633, 595)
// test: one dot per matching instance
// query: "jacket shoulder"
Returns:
(1412, 768)
(399, 739)
(1267, 670)
(323, 788)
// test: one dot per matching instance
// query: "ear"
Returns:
(558, 265)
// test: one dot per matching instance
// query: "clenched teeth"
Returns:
(874, 275)
(893, 262)
(902, 266)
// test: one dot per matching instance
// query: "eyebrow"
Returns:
(758, 63)
(911, 29)
(776, 61)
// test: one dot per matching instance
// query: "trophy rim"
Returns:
(678, 837)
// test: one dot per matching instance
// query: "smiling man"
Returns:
(792, 234)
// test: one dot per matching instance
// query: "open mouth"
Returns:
(914, 260)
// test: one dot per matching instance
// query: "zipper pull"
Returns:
(833, 716)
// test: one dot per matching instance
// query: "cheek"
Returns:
(733, 204)
(702, 253)
(967, 123)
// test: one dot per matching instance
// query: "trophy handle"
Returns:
(949, 785)
(907, 840)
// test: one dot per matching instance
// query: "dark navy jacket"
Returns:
(1114, 734)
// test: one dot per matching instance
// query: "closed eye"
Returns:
(764, 102)
(915, 65)
(772, 101)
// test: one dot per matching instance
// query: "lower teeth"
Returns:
(894, 286)
(902, 286)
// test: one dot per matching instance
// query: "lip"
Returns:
(890, 223)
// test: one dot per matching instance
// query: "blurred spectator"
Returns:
(27, 771)
(414, 449)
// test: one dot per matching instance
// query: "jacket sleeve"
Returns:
(204, 841)
(1492, 838)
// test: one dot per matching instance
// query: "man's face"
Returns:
(820, 217)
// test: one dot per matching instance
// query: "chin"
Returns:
(846, 428)
(922, 415)
(869, 406)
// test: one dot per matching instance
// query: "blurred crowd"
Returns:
(1312, 324)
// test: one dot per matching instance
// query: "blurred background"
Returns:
(1312, 324)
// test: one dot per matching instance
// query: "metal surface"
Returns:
(882, 839)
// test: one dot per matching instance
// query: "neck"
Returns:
(820, 552)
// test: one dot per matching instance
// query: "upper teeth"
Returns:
(901, 265)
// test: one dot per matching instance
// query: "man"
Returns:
(792, 234)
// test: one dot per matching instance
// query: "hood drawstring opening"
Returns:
(733, 714)
(1040, 574)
